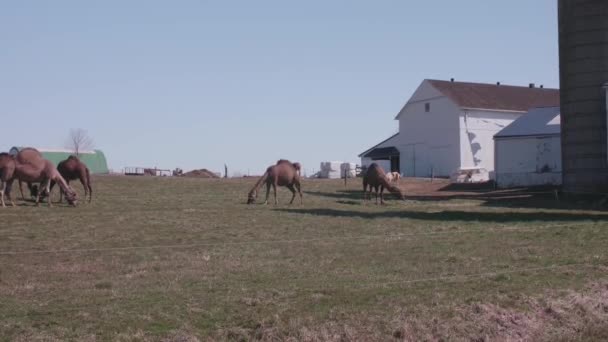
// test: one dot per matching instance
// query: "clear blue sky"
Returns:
(196, 84)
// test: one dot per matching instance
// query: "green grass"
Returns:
(155, 258)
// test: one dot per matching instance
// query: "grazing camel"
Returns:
(7, 171)
(376, 178)
(393, 176)
(284, 173)
(72, 169)
(31, 167)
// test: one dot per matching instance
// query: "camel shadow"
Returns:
(344, 195)
(534, 198)
(349, 202)
(448, 215)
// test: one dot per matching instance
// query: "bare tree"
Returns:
(79, 140)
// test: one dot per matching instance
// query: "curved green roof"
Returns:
(95, 160)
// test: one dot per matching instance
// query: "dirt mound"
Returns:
(201, 173)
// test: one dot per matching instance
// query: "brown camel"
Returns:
(297, 165)
(72, 169)
(31, 167)
(284, 173)
(375, 177)
(7, 171)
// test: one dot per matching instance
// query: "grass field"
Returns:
(185, 259)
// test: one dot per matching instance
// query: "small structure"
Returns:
(384, 154)
(528, 151)
(95, 160)
(330, 169)
(348, 170)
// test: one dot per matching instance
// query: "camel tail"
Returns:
(256, 187)
(393, 189)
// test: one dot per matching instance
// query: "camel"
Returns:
(31, 167)
(7, 171)
(376, 178)
(284, 173)
(72, 169)
(298, 167)
(393, 176)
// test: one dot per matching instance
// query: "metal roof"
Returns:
(537, 122)
(496, 97)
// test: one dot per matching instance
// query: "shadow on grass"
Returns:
(453, 215)
(514, 198)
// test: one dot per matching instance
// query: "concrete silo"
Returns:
(583, 64)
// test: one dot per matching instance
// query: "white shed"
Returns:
(528, 151)
(384, 154)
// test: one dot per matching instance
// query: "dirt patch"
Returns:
(200, 173)
(573, 316)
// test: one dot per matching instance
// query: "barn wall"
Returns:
(583, 59)
(477, 130)
(528, 161)
(428, 142)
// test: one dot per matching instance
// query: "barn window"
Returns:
(427, 107)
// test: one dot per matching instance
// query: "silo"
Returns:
(583, 64)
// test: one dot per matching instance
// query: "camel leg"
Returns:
(83, 181)
(21, 190)
(293, 193)
(381, 194)
(376, 192)
(299, 188)
(267, 193)
(2, 188)
(8, 191)
(274, 190)
(47, 188)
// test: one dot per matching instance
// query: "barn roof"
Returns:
(496, 97)
(537, 122)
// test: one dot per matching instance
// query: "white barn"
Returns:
(528, 151)
(447, 125)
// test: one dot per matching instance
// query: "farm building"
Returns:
(528, 151)
(448, 125)
(583, 67)
(95, 160)
(384, 154)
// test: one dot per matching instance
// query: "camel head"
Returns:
(71, 197)
(252, 196)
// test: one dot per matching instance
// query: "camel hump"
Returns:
(73, 157)
(29, 155)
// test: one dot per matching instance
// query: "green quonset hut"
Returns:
(95, 160)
